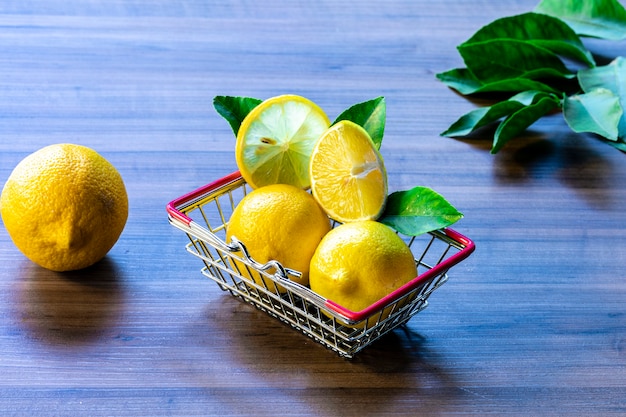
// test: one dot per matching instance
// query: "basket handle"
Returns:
(282, 272)
(187, 225)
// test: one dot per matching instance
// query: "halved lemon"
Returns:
(275, 141)
(348, 176)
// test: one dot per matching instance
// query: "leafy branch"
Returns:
(525, 57)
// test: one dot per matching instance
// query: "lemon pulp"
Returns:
(348, 176)
(275, 141)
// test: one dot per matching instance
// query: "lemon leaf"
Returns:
(234, 109)
(418, 211)
(539, 29)
(370, 115)
(523, 60)
(521, 119)
(462, 80)
(604, 19)
(598, 111)
(483, 116)
(611, 77)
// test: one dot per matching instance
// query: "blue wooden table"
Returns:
(533, 323)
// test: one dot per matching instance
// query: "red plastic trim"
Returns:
(172, 206)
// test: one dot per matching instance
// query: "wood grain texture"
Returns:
(533, 323)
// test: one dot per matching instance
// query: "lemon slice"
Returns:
(275, 141)
(348, 176)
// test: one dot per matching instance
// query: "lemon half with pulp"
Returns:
(275, 141)
(348, 176)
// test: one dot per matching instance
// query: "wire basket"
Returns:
(203, 215)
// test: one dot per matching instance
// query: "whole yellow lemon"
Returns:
(64, 206)
(358, 263)
(278, 222)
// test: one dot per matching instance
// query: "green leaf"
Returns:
(520, 120)
(537, 29)
(371, 115)
(598, 111)
(417, 211)
(234, 109)
(498, 59)
(483, 116)
(462, 80)
(604, 19)
(618, 145)
(611, 77)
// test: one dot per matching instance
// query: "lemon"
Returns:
(358, 263)
(348, 176)
(275, 140)
(278, 222)
(64, 206)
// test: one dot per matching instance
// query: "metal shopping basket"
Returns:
(203, 215)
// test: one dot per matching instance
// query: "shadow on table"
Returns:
(579, 161)
(576, 161)
(69, 308)
(284, 359)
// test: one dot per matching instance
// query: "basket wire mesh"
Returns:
(203, 215)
